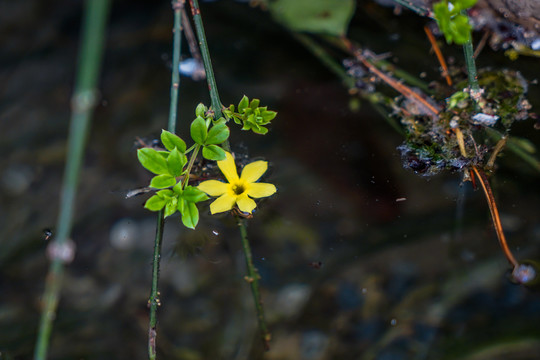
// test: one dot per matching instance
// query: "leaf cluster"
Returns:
(250, 115)
(452, 20)
(172, 169)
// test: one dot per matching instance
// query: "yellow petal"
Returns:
(213, 187)
(228, 167)
(223, 203)
(252, 172)
(258, 190)
(245, 204)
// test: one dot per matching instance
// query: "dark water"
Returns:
(347, 271)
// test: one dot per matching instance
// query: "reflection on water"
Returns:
(357, 256)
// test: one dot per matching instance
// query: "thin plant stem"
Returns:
(83, 102)
(177, 5)
(468, 51)
(495, 215)
(253, 279)
(212, 86)
(154, 301)
(190, 164)
(439, 55)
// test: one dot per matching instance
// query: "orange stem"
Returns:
(404, 90)
(495, 215)
(439, 54)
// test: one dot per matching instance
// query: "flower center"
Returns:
(238, 189)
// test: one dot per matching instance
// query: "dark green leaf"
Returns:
(198, 130)
(244, 103)
(155, 203)
(152, 161)
(328, 17)
(217, 134)
(176, 162)
(194, 195)
(162, 181)
(190, 215)
(213, 152)
(171, 141)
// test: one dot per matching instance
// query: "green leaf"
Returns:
(198, 130)
(162, 181)
(176, 162)
(217, 134)
(213, 152)
(152, 161)
(190, 215)
(171, 141)
(194, 195)
(254, 104)
(243, 104)
(201, 110)
(329, 17)
(166, 193)
(268, 115)
(171, 206)
(178, 188)
(155, 203)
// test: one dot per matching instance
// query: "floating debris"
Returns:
(485, 119)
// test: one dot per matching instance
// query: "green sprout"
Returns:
(250, 115)
(453, 20)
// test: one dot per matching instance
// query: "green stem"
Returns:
(153, 301)
(253, 279)
(83, 102)
(190, 165)
(177, 5)
(468, 51)
(471, 65)
(212, 86)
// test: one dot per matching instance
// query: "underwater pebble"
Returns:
(123, 234)
(485, 119)
(535, 45)
(16, 179)
(524, 273)
(292, 298)
(313, 345)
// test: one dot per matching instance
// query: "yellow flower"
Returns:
(238, 190)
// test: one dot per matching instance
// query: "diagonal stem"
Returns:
(83, 102)
(253, 279)
(212, 86)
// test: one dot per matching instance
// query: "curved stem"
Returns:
(495, 215)
(83, 103)
(253, 279)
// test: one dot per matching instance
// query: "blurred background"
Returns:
(359, 258)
